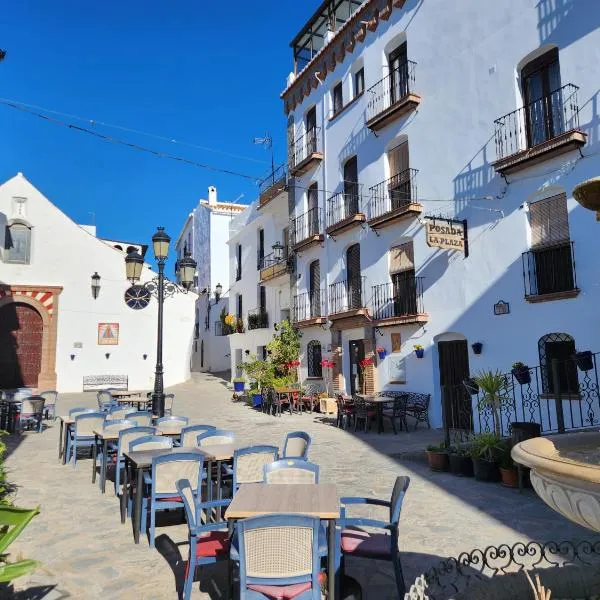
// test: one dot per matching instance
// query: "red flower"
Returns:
(366, 362)
(328, 364)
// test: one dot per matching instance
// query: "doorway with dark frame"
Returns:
(454, 369)
(356, 351)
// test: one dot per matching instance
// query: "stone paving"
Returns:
(86, 553)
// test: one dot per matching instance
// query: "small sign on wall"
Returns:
(108, 334)
(501, 308)
(397, 368)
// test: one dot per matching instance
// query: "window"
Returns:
(238, 266)
(338, 98)
(399, 183)
(559, 347)
(404, 289)
(311, 131)
(359, 82)
(313, 351)
(312, 198)
(354, 279)
(17, 243)
(261, 248)
(351, 188)
(398, 65)
(239, 307)
(261, 352)
(262, 298)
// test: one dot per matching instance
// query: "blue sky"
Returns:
(207, 73)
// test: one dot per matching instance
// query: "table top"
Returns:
(219, 451)
(131, 400)
(143, 458)
(255, 499)
(170, 430)
(124, 394)
(285, 390)
(66, 419)
(376, 399)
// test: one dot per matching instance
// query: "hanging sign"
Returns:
(501, 308)
(447, 234)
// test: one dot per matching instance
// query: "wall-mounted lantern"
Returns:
(277, 251)
(95, 285)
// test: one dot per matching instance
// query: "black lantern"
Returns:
(160, 243)
(218, 291)
(187, 271)
(277, 251)
(133, 266)
(95, 285)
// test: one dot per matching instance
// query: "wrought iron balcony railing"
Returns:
(304, 147)
(550, 270)
(278, 175)
(394, 193)
(391, 90)
(258, 319)
(537, 122)
(348, 294)
(344, 204)
(309, 305)
(402, 297)
(306, 225)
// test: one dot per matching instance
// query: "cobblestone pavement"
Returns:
(86, 553)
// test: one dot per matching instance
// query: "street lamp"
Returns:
(218, 292)
(160, 287)
(95, 285)
(277, 251)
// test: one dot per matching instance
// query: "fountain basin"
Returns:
(565, 473)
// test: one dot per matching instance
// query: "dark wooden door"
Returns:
(311, 131)
(313, 210)
(353, 283)
(357, 353)
(315, 289)
(21, 330)
(351, 194)
(261, 247)
(399, 185)
(405, 293)
(454, 368)
(398, 64)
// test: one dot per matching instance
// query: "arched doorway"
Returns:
(21, 333)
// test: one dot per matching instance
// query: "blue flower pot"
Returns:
(382, 355)
(238, 386)
(420, 353)
(257, 400)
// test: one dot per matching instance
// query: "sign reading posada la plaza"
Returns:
(446, 234)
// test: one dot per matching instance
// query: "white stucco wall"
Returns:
(64, 254)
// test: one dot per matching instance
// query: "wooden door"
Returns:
(351, 194)
(399, 183)
(313, 210)
(405, 293)
(357, 353)
(311, 131)
(398, 64)
(354, 281)
(454, 368)
(315, 288)
(21, 330)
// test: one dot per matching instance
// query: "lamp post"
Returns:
(161, 288)
(277, 251)
(218, 292)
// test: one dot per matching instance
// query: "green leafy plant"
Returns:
(519, 365)
(487, 446)
(437, 447)
(494, 394)
(12, 522)
(284, 348)
(261, 372)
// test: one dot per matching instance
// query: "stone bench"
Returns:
(94, 383)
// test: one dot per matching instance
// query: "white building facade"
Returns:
(474, 121)
(54, 334)
(204, 237)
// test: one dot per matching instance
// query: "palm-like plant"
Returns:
(495, 393)
(12, 522)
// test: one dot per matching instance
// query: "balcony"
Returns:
(399, 302)
(538, 131)
(344, 209)
(347, 304)
(309, 309)
(392, 97)
(306, 152)
(307, 229)
(272, 268)
(394, 200)
(273, 185)
(549, 273)
(258, 319)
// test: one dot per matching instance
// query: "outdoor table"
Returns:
(65, 423)
(379, 402)
(293, 396)
(105, 437)
(140, 461)
(315, 500)
(124, 397)
(170, 431)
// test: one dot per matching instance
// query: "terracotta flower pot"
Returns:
(510, 477)
(438, 461)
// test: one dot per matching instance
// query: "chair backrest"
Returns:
(418, 400)
(117, 425)
(360, 407)
(150, 442)
(120, 413)
(189, 434)
(171, 424)
(311, 389)
(249, 464)
(291, 470)
(104, 398)
(398, 494)
(265, 556)
(169, 398)
(79, 411)
(87, 423)
(34, 405)
(50, 396)
(215, 437)
(168, 470)
(296, 445)
(126, 436)
(142, 418)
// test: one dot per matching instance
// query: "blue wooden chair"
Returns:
(105, 400)
(79, 411)
(189, 434)
(214, 437)
(291, 470)
(208, 542)
(119, 412)
(143, 418)
(82, 432)
(354, 541)
(126, 436)
(249, 464)
(265, 571)
(171, 424)
(51, 398)
(296, 445)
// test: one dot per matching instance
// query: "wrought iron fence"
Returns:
(278, 175)
(537, 122)
(549, 269)
(269, 260)
(258, 318)
(306, 225)
(344, 204)
(400, 298)
(391, 90)
(309, 305)
(303, 147)
(393, 193)
(348, 294)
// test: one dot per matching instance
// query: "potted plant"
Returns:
(261, 372)
(508, 472)
(460, 461)
(419, 350)
(437, 457)
(471, 386)
(584, 360)
(494, 389)
(381, 352)
(485, 453)
(256, 397)
(477, 347)
(521, 373)
(363, 365)
(238, 384)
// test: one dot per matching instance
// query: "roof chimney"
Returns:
(212, 195)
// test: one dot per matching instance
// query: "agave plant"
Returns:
(495, 393)
(12, 522)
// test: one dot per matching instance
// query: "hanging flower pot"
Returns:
(381, 352)
(419, 350)
(584, 360)
(521, 373)
(477, 347)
